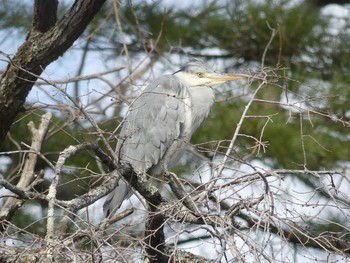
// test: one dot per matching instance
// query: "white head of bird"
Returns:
(196, 74)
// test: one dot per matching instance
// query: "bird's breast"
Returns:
(202, 99)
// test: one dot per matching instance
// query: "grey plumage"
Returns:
(161, 121)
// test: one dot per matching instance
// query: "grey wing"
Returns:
(155, 120)
(116, 197)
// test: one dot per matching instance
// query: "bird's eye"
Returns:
(200, 74)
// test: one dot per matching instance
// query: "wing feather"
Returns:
(154, 122)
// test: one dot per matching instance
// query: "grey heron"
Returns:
(161, 121)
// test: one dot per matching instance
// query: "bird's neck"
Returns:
(202, 100)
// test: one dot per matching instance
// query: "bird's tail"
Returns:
(116, 197)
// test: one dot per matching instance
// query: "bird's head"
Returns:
(197, 74)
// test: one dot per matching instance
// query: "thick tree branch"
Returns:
(45, 15)
(39, 50)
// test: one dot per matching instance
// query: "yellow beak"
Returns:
(219, 77)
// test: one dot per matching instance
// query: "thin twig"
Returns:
(273, 34)
(239, 125)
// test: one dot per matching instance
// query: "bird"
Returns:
(160, 122)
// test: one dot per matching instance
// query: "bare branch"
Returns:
(28, 175)
(235, 135)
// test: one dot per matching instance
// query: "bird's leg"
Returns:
(178, 189)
